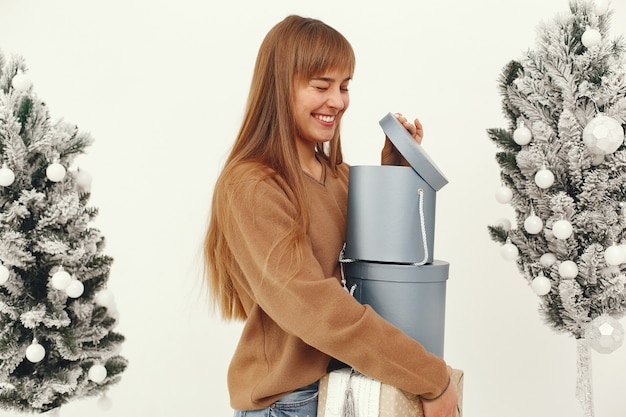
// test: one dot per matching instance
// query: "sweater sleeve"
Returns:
(313, 307)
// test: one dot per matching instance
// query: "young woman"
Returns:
(277, 227)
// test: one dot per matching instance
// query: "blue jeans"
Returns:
(300, 403)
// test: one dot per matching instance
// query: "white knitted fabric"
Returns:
(365, 391)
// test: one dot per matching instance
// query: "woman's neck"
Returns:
(310, 164)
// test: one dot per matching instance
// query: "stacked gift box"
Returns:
(388, 258)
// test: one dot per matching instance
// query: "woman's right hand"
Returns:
(390, 155)
(443, 406)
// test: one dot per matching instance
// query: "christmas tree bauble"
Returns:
(55, 172)
(605, 334)
(603, 135)
(509, 251)
(105, 298)
(562, 229)
(613, 255)
(6, 176)
(568, 269)
(21, 82)
(104, 402)
(504, 195)
(533, 224)
(522, 135)
(591, 37)
(75, 289)
(61, 279)
(83, 180)
(35, 352)
(541, 285)
(601, 7)
(97, 373)
(547, 260)
(4, 274)
(544, 178)
(504, 223)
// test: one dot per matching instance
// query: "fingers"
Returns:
(415, 129)
(419, 131)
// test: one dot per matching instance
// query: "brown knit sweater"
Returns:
(295, 326)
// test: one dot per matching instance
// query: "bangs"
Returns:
(321, 48)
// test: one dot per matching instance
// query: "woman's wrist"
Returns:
(441, 394)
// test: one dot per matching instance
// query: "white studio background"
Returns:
(161, 85)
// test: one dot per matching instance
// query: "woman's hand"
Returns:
(390, 155)
(444, 406)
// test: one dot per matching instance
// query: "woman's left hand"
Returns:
(390, 155)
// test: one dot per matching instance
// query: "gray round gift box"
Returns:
(384, 220)
(412, 298)
(388, 257)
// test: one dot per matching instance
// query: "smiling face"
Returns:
(319, 104)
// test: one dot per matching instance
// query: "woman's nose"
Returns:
(336, 99)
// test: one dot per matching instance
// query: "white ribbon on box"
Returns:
(352, 391)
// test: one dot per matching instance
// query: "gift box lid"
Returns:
(414, 153)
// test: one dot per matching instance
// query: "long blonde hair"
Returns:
(295, 47)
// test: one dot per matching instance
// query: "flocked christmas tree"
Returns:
(57, 316)
(563, 170)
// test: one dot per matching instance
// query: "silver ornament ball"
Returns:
(522, 135)
(568, 270)
(603, 135)
(35, 352)
(541, 285)
(605, 334)
(509, 251)
(591, 37)
(55, 172)
(533, 224)
(562, 229)
(4, 274)
(6, 176)
(544, 178)
(547, 260)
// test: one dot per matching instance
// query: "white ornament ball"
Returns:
(114, 313)
(61, 279)
(601, 7)
(6, 176)
(35, 352)
(522, 135)
(97, 373)
(613, 255)
(591, 37)
(83, 180)
(105, 403)
(4, 274)
(504, 223)
(533, 224)
(568, 269)
(541, 285)
(509, 251)
(605, 334)
(55, 172)
(603, 135)
(21, 82)
(504, 195)
(105, 298)
(547, 260)
(562, 229)
(544, 178)
(75, 289)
